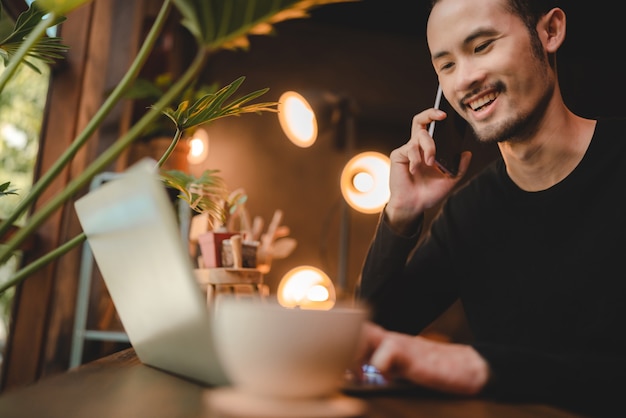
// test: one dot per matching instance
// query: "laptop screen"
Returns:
(132, 230)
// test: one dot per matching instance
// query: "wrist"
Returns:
(402, 222)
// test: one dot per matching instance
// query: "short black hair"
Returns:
(530, 11)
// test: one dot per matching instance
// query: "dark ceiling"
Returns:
(404, 17)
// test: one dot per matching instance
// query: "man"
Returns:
(532, 246)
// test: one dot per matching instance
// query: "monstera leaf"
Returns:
(227, 24)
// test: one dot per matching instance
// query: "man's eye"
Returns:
(483, 46)
(446, 66)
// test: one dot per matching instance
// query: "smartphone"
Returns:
(449, 136)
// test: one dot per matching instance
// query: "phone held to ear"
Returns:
(450, 136)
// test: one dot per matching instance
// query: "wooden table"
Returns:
(120, 386)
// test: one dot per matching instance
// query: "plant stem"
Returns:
(24, 48)
(43, 183)
(170, 149)
(42, 261)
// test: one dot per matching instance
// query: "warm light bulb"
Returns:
(198, 147)
(318, 293)
(306, 287)
(297, 119)
(365, 182)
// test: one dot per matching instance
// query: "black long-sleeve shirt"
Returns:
(540, 275)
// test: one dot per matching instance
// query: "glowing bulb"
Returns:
(365, 182)
(297, 119)
(318, 293)
(198, 147)
(306, 287)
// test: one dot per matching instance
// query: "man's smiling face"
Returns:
(488, 67)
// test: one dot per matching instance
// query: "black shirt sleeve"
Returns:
(400, 300)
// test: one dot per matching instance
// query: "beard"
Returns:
(520, 126)
(516, 128)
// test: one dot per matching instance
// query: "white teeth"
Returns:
(475, 105)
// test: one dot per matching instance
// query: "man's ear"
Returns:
(551, 29)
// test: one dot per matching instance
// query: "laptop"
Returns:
(131, 227)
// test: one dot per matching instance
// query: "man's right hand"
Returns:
(415, 182)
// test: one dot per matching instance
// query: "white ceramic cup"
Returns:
(273, 351)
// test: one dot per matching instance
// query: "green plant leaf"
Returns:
(6, 23)
(226, 24)
(212, 106)
(47, 49)
(144, 89)
(205, 194)
(235, 201)
(4, 189)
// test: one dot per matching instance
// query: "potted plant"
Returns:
(214, 24)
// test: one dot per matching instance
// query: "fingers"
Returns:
(385, 356)
(422, 120)
(390, 353)
(371, 336)
(421, 148)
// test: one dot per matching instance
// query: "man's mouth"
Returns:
(482, 101)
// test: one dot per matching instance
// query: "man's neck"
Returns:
(542, 161)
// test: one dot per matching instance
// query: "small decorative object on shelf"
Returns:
(248, 250)
(210, 244)
(235, 279)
